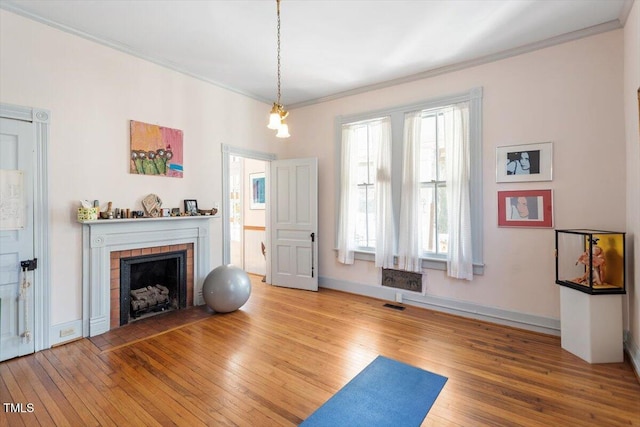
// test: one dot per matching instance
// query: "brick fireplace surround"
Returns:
(104, 242)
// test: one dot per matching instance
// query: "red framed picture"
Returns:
(525, 208)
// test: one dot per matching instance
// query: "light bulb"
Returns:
(283, 131)
(274, 121)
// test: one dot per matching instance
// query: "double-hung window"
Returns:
(435, 216)
(432, 195)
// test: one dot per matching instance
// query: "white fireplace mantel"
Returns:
(101, 237)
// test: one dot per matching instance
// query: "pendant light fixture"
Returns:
(278, 113)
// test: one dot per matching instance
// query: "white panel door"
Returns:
(294, 223)
(17, 160)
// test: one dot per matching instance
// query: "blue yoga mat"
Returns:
(385, 393)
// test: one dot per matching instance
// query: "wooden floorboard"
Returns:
(285, 352)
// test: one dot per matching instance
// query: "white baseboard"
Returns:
(64, 332)
(490, 314)
(633, 351)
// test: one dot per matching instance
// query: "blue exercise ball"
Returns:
(226, 288)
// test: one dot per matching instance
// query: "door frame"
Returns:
(41, 287)
(227, 151)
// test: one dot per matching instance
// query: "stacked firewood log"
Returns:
(148, 297)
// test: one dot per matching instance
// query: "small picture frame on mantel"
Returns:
(190, 207)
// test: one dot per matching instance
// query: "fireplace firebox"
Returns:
(150, 284)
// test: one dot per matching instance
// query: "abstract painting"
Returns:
(155, 150)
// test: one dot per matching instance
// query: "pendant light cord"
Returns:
(278, 114)
(278, 6)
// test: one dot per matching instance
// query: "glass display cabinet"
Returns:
(591, 261)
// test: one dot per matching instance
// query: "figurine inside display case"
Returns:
(591, 261)
(598, 263)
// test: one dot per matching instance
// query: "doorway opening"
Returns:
(245, 209)
(290, 216)
(247, 214)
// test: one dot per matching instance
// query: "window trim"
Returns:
(474, 97)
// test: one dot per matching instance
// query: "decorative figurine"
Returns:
(597, 265)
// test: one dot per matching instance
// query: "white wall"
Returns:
(632, 117)
(571, 95)
(92, 93)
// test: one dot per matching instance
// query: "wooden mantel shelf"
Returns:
(138, 220)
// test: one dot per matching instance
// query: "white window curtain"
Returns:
(409, 239)
(456, 134)
(385, 229)
(348, 197)
(380, 133)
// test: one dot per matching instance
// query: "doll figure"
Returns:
(597, 266)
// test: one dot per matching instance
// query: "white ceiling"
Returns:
(329, 47)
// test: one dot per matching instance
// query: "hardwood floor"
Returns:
(286, 352)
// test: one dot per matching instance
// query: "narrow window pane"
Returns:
(362, 155)
(434, 229)
(442, 154)
(373, 148)
(371, 218)
(427, 218)
(428, 149)
(443, 228)
(361, 217)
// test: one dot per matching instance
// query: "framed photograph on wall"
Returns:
(525, 208)
(522, 163)
(258, 190)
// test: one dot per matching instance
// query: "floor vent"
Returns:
(395, 307)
